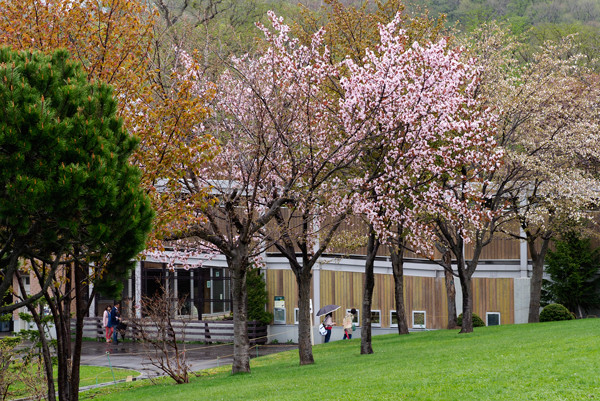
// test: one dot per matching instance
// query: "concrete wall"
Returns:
(522, 296)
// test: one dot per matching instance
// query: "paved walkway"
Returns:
(132, 355)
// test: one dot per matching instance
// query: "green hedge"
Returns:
(554, 313)
(477, 321)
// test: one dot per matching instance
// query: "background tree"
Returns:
(111, 40)
(534, 124)
(71, 202)
(257, 297)
(573, 269)
(547, 115)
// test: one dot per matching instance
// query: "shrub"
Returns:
(477, 321)
(554, 313)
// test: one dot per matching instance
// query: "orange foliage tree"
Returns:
(123, 43)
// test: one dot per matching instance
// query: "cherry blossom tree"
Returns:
(419, 101)
(349, 31)
(547, 127)
(544, 125)
(277, 136)
(319, 154)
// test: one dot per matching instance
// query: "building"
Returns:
(500, 289)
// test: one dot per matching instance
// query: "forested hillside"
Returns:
(470, 13)
(230, 23)
(519, 12)
(537, 20)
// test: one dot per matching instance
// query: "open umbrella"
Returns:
(327, 309)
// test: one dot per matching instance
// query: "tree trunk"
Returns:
(535, 291)
(537, 273)
(467, 318)
(450, 289)
(62, 321)
(80, 310)
(46, 354)
(365, 338)
(241, 345)
(303, 279)
(397, 255)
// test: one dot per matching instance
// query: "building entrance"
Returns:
(196, 293)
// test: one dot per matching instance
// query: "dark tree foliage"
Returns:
(66, 182)
(71, 210)
(573, 268)
(257, 297)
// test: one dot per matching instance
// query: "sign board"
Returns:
(279, 302)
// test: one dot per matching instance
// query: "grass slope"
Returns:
(89, 375)
(546, 361)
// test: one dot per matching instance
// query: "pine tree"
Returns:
(574, 274)
(70, 202)
(257, 297)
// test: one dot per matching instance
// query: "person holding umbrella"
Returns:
(328, 323)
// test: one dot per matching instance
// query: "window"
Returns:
(296, 315)
(418, 319)
(393, 318)
(356, 319)
(376, 318)
(492, 318)
(26, 284)
(279, 315)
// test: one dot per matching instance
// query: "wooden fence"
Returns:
(206, 331)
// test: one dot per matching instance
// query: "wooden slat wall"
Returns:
(500, 248)
(420, 293)
(295, 226)
(494, 295)
(426, 294)
(341, 288)
(283, 283)
(383, 297)
(358, 229)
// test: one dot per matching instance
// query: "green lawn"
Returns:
(546, 361)
(89, 375)
(99, 374)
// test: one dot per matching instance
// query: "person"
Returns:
(106, 324)
(115, 318)
(347, 323)
(328, 323)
